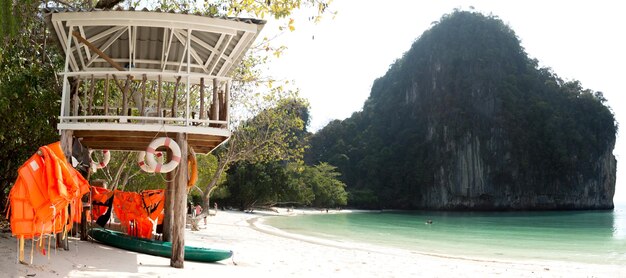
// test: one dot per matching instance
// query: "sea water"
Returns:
(574, 236)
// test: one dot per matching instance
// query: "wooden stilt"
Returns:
(66, 146)
(83, 222)
(169, 203)
(21, 252)
(180, 203)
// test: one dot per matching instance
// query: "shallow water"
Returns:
(575, 236)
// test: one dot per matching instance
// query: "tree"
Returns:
(265, 184)
(255, 184)
(274, 134)
(29, 91)
(328, 190)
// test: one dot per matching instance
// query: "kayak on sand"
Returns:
(157, 248)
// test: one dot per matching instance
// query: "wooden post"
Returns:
(175, 98)
(223, 110)
(85, 100)
(76, 98)
(129, 78)
(202, 98)
(75, 105)
(91, 91)
(168, 208)
(83, 223)
(143, 95)
(159, 97)
(215, 108)
(106, 95)
(226, 105)
(180, 203)
(21, 243)
(66, 146)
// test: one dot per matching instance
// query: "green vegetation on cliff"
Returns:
(465, 119)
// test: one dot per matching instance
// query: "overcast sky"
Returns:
(335, 62)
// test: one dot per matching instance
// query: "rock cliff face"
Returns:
(466, 120)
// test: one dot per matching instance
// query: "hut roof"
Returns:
(152, 41)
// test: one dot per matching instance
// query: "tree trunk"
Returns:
(180, 203)
(115, 181)
(206, 197)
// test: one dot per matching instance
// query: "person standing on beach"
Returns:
(198, 210)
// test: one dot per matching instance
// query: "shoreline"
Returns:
(275, 253)
(258, 223)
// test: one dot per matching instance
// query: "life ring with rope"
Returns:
(142, 163)
(95, 164)
(174, 160)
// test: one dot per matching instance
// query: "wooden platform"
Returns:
(139, 140)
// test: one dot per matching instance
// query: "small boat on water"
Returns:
(155, 247)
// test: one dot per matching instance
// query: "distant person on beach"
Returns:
(198, 209)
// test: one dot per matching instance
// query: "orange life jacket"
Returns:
(45, 186)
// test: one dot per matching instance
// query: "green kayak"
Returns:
(157, 248)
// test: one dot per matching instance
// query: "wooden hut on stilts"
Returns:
(131, 77)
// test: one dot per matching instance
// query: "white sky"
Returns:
(583, 40)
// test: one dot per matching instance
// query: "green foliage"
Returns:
(467, 78)
(328, 190)
(256, 184)
(29, 95)
(277, 183)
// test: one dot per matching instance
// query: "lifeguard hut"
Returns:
(131, 76)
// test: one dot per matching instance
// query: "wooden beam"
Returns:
(180, 204)
(107, 44)
(98, 51)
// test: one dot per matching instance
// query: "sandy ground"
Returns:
(262, 251)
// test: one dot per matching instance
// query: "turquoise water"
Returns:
(575, 236)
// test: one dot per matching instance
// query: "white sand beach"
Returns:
(262, 251)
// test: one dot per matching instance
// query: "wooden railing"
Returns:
(115, 98)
